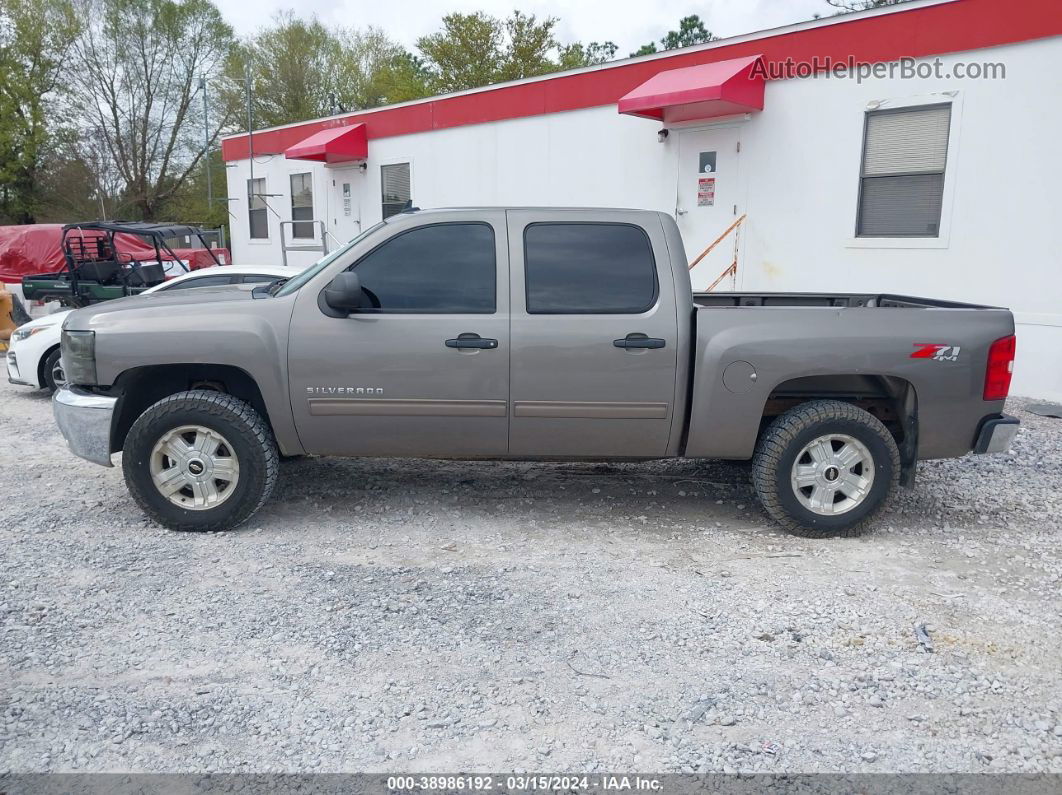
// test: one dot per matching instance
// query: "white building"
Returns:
(932, 168)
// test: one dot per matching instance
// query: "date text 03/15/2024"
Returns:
(520, 783)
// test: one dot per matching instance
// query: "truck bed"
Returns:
(828, 300)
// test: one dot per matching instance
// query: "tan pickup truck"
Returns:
(529, 333)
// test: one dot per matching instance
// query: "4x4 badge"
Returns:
(936, 351)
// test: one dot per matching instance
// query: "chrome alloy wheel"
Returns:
(833, 474)
(194, 467)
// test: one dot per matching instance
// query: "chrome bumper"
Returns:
(84, 419)
(996, 434)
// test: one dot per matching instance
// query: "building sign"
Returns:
(346, 199)
(705, 191)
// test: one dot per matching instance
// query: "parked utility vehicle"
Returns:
(530, 334)
(104, 260)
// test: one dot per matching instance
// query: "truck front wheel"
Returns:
(825, 468)
(200, 460)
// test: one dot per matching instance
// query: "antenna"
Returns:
(250, 131)
(206, 144)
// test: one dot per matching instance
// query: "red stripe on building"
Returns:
(915, 33)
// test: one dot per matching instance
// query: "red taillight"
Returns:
(1000, 368)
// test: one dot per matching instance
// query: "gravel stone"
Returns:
(427, 615)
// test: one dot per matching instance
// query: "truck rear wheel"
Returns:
(200, 460)
(825, 468)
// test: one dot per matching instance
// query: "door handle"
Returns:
(469, 340)
(635, 340)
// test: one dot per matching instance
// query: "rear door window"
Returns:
(588, 268)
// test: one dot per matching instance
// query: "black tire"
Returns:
(785, 439)
(252, 445)
(47, 368)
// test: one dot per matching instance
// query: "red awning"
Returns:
(334, 145)
(706, 91)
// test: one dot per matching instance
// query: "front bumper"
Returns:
(996, 434)
(13, 375)
(84, 419)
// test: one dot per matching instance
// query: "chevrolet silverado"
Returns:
(524, 333)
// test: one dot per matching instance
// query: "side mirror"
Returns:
(343, 295)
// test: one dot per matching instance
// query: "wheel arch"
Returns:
(891, 399)
(790, 434)
(140, 387)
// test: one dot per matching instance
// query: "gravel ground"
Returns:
(418, 615)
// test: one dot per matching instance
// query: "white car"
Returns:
(33, 354)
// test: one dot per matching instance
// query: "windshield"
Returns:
(295, 282)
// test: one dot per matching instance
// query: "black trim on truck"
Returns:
(996, 434)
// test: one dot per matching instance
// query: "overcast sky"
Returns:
(630, 24)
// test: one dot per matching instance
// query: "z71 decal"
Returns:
(936, 351)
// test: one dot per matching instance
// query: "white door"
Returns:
(709, 198)
(344, 205)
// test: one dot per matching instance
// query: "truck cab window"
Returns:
(444, 268)
(588, 268)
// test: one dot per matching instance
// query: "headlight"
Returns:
(79, 357)
(20, 334)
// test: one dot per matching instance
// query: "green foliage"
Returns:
(529, 47)
(402, 78)
(573, 56)
(35, 36)
(302, 70)
(466, 53)
(691, 31)
(477, 49)
(190, 205)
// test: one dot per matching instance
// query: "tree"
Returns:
(529, 44)
(78, 181)
(190, 205)
(576, 55)
(35, 37)
(404, 77)
(139, 62)
(475, 50)
(302, 70)
(293, 67)
(377, 71)
(466, 53)
(691, 31)
(847, 6)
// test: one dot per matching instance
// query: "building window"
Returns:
(256, 209)
(441, 268)
(302, 205)
(588, 269)
(901, 191)
(394, 181)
